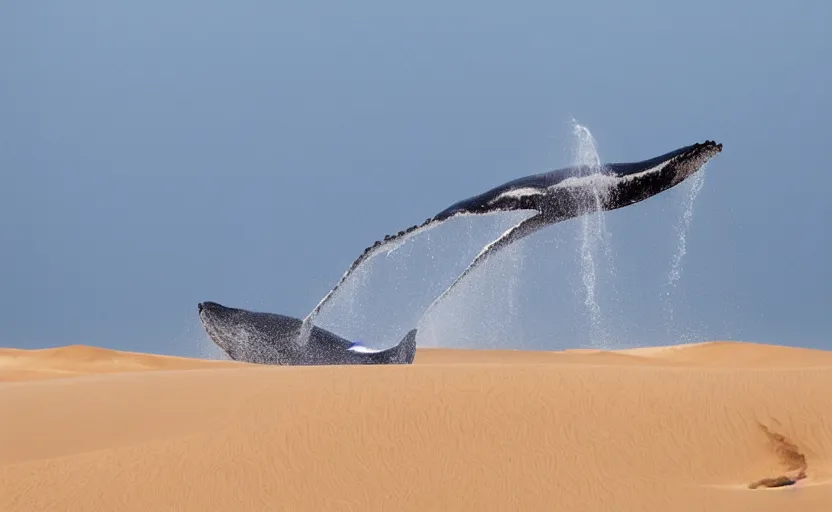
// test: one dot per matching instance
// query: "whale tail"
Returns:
(407, 348)
(403, 353)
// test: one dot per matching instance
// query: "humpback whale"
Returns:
(268, 338)
(549, 197)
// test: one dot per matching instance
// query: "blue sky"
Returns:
(157, 154)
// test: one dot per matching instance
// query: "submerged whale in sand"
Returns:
(550, 197)
(267, 338)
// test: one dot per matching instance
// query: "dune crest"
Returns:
(736, 353)
(78, 360)
(656, 429)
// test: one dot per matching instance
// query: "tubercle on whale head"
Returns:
(210, 307)
(688, 163)
(704, 145)
(713, 143)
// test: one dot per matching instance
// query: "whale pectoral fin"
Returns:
(521, 230)
(398, 238)
(368, 253)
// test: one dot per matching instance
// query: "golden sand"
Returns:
(690, 427)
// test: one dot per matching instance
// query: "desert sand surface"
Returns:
(683, 428)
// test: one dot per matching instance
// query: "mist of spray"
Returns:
(593, 233)
(489, 301)
(696, 182)
(196, 342)
(483, 311)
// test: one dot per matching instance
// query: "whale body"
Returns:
(269, 338)
(550, 197)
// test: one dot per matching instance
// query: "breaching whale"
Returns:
(550, 197)
(268, 338)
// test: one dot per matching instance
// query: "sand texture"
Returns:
(691, 427)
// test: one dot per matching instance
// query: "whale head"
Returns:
(247, 335)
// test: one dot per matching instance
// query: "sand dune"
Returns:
(681, 428)
(75, 360)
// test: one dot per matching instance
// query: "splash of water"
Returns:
(483, 311)
(593, 232)
(697, 181)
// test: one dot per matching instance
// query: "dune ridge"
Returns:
(78, 360)
(691, 427)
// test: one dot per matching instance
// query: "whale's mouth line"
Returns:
(210, 329)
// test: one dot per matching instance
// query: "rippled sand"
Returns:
(690, 427)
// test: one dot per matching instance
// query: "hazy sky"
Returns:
(157, 154)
